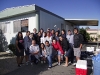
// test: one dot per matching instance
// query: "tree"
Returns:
(87, 28)
(86, 36)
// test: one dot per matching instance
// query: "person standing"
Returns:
(19, 48)
(38, 38)
(71, 43)
(41, 31)
(56, 36)
(49, 38)
(35, 34)
(78, 40)
(27, 43)
(52, 33)
(65, 46)
(63, 33)
(58, 51)
(43, 38)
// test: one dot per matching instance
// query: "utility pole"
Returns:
(1, 49)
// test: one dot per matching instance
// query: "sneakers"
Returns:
(49, 67)
(74, 64)
(32, 64)
(41, 62)
(26, 63)
(44, 61)
(59, 63)
(19, 65)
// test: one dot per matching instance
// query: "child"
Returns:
(49, 53)
(43, 53)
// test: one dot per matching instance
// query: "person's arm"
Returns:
(51, 48)
(81, 41)
(31, 51)
(50, 40)
(37, 51)
(41, 40)
(17, 46)
(25, 43)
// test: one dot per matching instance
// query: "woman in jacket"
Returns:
(66, 47)
(57, 49)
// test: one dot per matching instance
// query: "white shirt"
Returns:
(70, 39)
(34, 49)
(43, 39)
(49, 39)
(44, 53)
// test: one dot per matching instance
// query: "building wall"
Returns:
(10, 35)
(49, 21)
(69, 26)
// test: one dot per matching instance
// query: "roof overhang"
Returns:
(83, 22)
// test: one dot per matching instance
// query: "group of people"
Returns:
(48, 46)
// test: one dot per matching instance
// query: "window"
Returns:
(24, 25)
(3, 27)
(20, 25)
(17, 26)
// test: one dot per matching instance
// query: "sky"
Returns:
(69, 9)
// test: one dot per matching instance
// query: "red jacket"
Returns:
(57, 46)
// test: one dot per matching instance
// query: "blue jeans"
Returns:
(49, 58)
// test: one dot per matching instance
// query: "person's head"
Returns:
(19, 35)
(56, 33)
(53, 31)
(48, 30)
(63, 31)
(48, 33)
(42, 45)
(69, 32)
(31, 35)
(33, 42)
(34, 30)
(44, 34)
(41, 30)
(39, 33)
(54, 41)
(75, 30)
(28, 33)
(60, 38)
(47, 43)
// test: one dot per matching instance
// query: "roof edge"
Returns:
(43, 9)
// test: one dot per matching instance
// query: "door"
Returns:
(62, 26)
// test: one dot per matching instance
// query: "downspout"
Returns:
(38, 21)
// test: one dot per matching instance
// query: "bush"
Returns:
(86, 36)
(92, 38)
(12, 47)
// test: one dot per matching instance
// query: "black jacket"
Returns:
(78, 39)
(65, 44)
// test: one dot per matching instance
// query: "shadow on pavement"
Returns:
(8, 66)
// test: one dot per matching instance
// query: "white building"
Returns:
(28, 17)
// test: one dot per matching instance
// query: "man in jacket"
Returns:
(78, 40)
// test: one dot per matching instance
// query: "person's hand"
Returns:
(62, 54)
(80, 48)
(45, 53)
(65, 52)
(19, 51)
